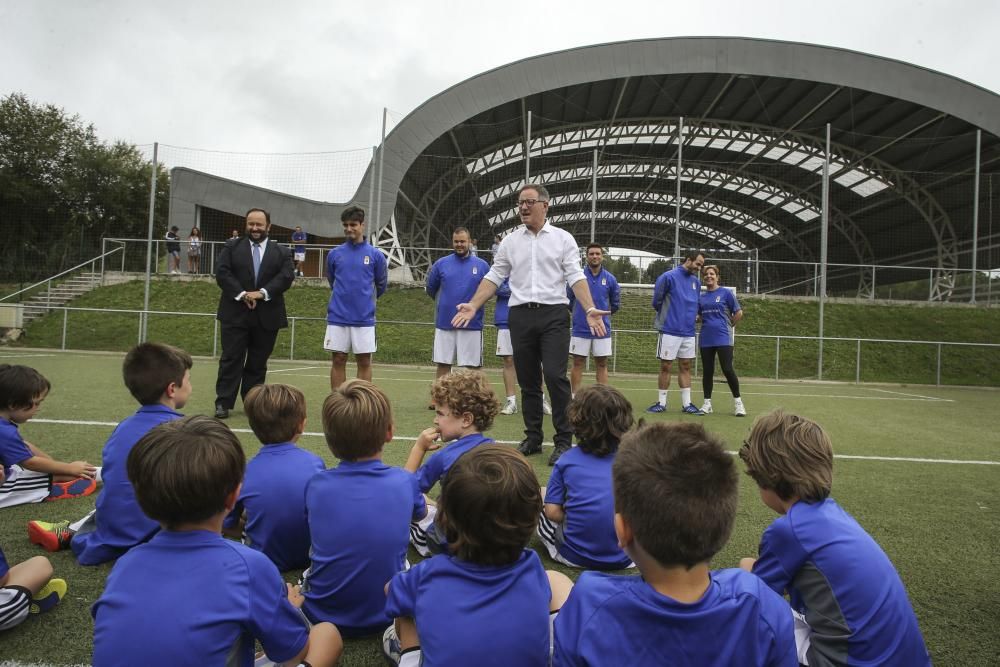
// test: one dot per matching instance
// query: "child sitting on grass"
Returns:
(31, 475)
(465, 406)
(488, 602)
(577, 525)
(190, 596)
(850, 604)
(359, 514)
(675, 490)
(273, 499)
(159, 377)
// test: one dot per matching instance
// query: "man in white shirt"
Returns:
(539, 260)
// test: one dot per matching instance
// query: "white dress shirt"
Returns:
(539, 265)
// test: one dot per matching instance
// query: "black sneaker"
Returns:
(221, 412)
(529, 447)
(559, 451)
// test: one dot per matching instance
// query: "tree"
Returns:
(62, 190)
(654, 269)
(622, 269)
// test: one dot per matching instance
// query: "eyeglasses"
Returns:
(529, 202)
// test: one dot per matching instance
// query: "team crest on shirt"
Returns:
(718, 299)
(368, 260)
(604, 281)
(475, 270)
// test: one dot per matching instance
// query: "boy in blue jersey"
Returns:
(30, 474)
(453, 280)
(719, 311)
(358, 275)
(190, 596)
(488, 602)
(577, 525)
(676, 491)
(465, 406)
(849, 602)
(270, 514)
(606, 294)
(159, 377)
(675, 300)
(505, 350)
(359, 514)
(299, 239)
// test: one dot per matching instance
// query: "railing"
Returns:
(48, 281)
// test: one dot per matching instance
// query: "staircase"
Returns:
(59, 295)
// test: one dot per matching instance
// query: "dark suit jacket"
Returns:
(234, 274)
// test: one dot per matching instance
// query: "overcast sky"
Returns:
(314, 76)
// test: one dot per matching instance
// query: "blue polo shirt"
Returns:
(274, 497)
(299, 238)
(675, 300)
(605, 292)
(501, 313)
(441, 461)
(482, 615)
(453, 280)
(4, 565)
(13, 449)
(738, 621)
(194, 598)
(581, 483)
(358, 275)
(359, 520)
(121, 523)
(843, 582)
(717, 309)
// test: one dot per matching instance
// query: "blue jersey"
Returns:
(610, 619)
(4, 565)
(675, 300)
(480, 615)
(440, 461)
(194, 598)
(606, 294)
(501, 313)
(581, 483)
(358, 275)
(453, 280)
(717, 309)
(121, 523)
(359, 520)
(274, 497)
(843, 582)
(299, 238)
(13, 449)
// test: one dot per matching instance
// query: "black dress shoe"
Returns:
(221, 412)
(529, 447)
(559, 451)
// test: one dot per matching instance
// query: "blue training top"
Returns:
(13, 450)
(717, 308)
(299, 238)
(453, 280)
(675, 300)
(606, 294)
(441, 461)
(501, 312)
(358, 275)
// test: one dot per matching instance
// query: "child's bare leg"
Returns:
(406, 633)
(747, 564)
(32, 574)
(561, 585)
(325, 645)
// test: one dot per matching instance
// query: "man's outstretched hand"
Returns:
(465, 314)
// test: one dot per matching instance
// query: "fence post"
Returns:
(215, 338)
(291, 343)
(939, 364)
(65, 314)
(857, 365)
(614, 351)
(777, 356)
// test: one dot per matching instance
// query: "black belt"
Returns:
(532, 305)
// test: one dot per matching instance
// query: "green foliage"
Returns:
(622, 269)
(654, 269)
(62, 189)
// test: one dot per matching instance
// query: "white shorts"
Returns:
(670, 347)
(466, 345)
(504, 348)
(299, 256)
(359, 340)
(14, 604)
(584, 347)
(24, 486)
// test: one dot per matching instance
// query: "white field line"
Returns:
(412, 438)
(899, 393)
(9, 355)
(303, 368)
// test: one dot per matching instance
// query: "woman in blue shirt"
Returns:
(719, 311)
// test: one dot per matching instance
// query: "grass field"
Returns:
(918, 466)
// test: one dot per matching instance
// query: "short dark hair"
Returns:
(184, 470)
(356, 417)
(543, 194)
(595, 245)
(353, 213)
(20, 386)
(600, 415)
(462, 230)
(275, 412)
(467, 391)
(149, 368)
(489, 505)
(790, 455)
(692, 255)
(677, 488)
(267, 216)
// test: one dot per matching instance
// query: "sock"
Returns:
(512, 398)
(99, 477)
(685, 396)
(663, 397)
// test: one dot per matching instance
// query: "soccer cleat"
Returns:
(74, 488)
(559, 451)
(510, 407)
(390, 646)
(690, 409)
(48, 597)
(656, 408)
(738, 407)
(706, 407)
(546, 407)
(50, 536)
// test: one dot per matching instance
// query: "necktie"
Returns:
(256, 262)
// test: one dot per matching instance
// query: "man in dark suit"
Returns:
(254, 273)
